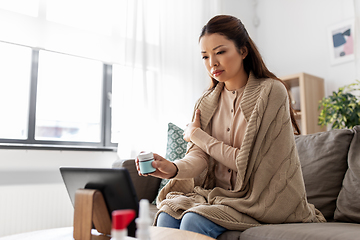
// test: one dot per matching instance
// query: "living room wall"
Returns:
(33, 196)
(293, 37)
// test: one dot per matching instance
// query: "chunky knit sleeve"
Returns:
(192, 164)
(217, 149)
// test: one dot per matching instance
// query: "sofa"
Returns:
(330, 163)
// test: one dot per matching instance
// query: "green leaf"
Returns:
(342, 108)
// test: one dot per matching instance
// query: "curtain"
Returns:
(160, 74)
(152, 44)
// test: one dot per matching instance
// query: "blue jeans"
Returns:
(191, 222)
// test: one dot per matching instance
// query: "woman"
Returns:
(241, 168)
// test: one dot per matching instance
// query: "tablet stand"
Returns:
(90, 208)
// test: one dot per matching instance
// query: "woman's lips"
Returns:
(217, 73)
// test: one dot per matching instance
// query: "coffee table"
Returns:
(156, 233)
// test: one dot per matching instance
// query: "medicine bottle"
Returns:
(120, 220)
(145, 160)
(143, 222)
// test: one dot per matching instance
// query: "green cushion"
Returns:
(176, 145)
(175, 149)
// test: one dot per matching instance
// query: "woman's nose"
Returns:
(214, 62)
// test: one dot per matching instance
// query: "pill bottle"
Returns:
(145, 160)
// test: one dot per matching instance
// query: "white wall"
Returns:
(42, 166)
(244, 10)
(33, 196)
(292, 37)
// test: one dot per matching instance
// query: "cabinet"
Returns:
(305, 92)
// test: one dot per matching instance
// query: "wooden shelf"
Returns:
(297, 114)
(306, 91)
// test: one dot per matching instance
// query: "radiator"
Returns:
(25, 208)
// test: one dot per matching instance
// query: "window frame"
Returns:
(30, 142)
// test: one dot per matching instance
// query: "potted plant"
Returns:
(342, 108)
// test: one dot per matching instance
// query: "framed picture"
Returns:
(342, 42)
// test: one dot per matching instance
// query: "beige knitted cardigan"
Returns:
(269, 186)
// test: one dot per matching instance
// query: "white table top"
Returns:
(48, 234)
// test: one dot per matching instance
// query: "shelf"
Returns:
(297, 114)
(306, 91)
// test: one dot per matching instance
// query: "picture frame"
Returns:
(342, 42)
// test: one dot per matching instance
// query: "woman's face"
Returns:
(223, 60)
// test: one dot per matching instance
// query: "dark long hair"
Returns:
(233, 29)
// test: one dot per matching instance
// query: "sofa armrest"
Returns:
(145, 187)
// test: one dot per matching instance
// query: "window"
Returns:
(15, 62)
(69, 93)
(49, 98)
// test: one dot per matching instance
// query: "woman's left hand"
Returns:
(191, 127)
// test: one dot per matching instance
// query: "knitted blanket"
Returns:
(269, 188)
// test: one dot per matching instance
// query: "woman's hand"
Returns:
(191, 127)
(164, 168)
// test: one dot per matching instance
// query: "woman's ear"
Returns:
(244, 52)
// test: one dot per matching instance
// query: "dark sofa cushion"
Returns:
(348, 203)
(323, 158)
(303, 231)
(230, 235)
(145, 187)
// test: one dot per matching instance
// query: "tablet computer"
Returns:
(114, 183)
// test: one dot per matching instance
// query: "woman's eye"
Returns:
(221, 52)
(205, 57)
